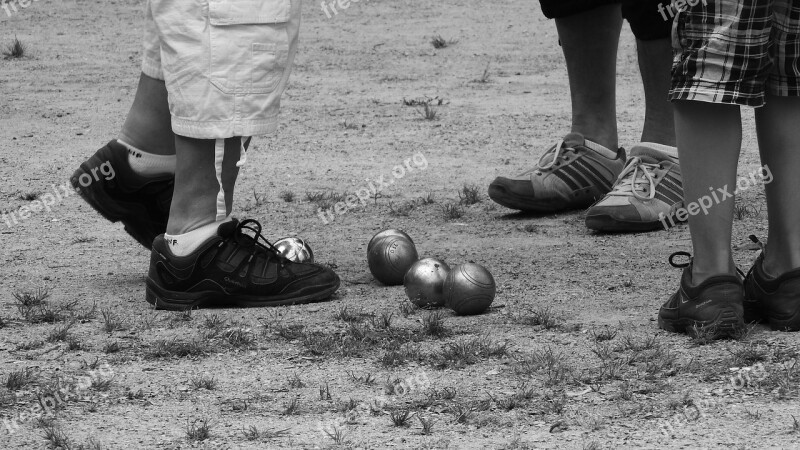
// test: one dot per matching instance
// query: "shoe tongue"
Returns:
(227, 228)
(649, 155)
(574, 139)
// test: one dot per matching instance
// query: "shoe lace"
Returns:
(241, 237)
(755, 240)
(637, 177)
(683, 265)
(556, 152)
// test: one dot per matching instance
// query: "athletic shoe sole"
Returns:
(503, 197)
(755, 313)
(180, 301)
(726, 324)
(610, 224)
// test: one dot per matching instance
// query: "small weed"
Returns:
(400, 417)
(254, 434)
(60, 334)
(606, 334)
(428, 112)
(427, 425)
(101, 384)
(401, 210)
(462, 413)
(287, 196)
(214, 321)
(198, 430)
(204, 381)
(469, 195)
(367, 379)
(543, 317)
(452, 211)
(407, 308)
(295, 382)
(178, 349)
(350, 125)
(325, 392)
(239, 338)
(439, 42)
(292, 407)
(111, 347)
(111, 322)
(56, 436)
(346, 315)
(486, 74)
(433, 324)
(16, 49)
(337, 434)
(19, 378)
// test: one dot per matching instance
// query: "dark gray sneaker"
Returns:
(713, 308)
(108, 184)
(570, 175)
(775, 301)
(237, 267)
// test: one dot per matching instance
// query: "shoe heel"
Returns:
(175, 302)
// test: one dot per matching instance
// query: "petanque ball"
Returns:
(424, 282)
(469, 289)
(390, 258)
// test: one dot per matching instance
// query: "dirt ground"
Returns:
(569, 356)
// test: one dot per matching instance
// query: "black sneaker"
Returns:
(108, 184)
(234, 269)
(772, 300)
(713, 308)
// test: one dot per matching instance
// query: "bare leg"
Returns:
(709, 138)
(194, 202)
(149, 124)
(589, 41)
(655, 63)
(779, 144)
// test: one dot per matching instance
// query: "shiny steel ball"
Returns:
(387, 233)
(295, 249)
(424, 282)
(469, 289)
(390, 258)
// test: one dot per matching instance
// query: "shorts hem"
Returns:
(223, 129)
(715, 96)
(152, 69)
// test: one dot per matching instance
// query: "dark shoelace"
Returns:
(255, 227)
(689, 255)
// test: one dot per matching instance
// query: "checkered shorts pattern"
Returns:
(736, 52)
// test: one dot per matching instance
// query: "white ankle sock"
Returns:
(608, 153)
(183, 244)
(668, 149)
(148, 164)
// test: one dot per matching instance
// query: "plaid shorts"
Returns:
(736, 52)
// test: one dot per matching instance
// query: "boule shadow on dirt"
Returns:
(390, 258)
(424, 282)
(469, 289)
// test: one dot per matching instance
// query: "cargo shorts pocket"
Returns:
(249, 44)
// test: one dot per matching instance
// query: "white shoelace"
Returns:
(636, 177)
(559, 148)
